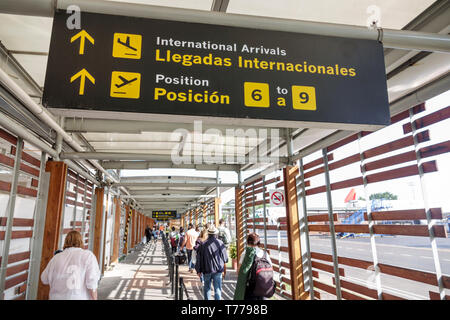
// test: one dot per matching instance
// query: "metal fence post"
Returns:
(10, 214)
(430, 222)
(371, 223)
(304, 231)
(331, 221)
(264, 215)
(38, 230)
(74, 225)
(253, 207)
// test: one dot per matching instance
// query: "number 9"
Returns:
(304, 97)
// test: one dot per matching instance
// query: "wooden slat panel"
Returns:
(401, 172)
(351, 228)
(18, 222)
(436, 296)
(327, 268)
(27, 157)
(390, 161)
(359, 289)
(405, 114)
(17, 234)
(255, 181)
(16, 257)
(324, 287)
(8, 161)
(23, 191)
(415, 275)
(429, 119)
(317, 162)
(274, 247)
(321, 217)
(16, 269)
(279, 184)
(9, 283)
(316, 294)
(283, 263)
(34, 183)
(8, 137)
(435, 149)
(390, 146)
(406, 230)
(342, 260)
(410, 230)
(342, 142)
(344, 162)
(412, 214)
(347, 183)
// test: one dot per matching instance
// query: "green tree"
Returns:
(384, 195)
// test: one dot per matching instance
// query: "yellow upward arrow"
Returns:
(83, 35)
(82, 74)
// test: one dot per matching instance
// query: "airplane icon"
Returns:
(127, 44)
(124, 82)
(125, 85)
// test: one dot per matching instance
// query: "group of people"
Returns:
(73, 273)
(207, 254)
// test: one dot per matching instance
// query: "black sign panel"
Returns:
(125, 64)
(164, 214)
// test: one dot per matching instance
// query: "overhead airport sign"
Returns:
(164, 214)
(136, 65)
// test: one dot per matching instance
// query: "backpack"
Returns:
(223, 236)
(260, 282)
(173, 241)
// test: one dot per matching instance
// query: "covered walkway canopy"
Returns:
(104, 173)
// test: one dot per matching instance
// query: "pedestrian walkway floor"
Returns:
(144, 275)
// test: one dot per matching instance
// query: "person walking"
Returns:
(189, 243)
(72, 274)
(155, 234)
(255, 277)
(174, 237)
(225, 237)
(181, 240)
(201, 238)
(148, 234)
(211, 257)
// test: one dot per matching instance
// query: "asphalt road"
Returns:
(402, 251)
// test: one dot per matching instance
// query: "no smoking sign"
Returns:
(276, 198)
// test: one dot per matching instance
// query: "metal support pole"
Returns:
(279, 253)
(264, 214)
(426, 204)
(289, 145)
(371, 223)
(176, 281)
(180, 295)
(38, 230)
(10, 214)
(83, 222)
(61, 227)
(304, 229)
(253, 207)
(75, 205)
(92, 220)
(331, 221)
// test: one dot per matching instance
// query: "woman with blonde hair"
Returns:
(72, 274)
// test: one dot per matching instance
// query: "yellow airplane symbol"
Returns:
(82, 74)
(83, 35)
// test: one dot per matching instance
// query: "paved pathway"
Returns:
(143, 275)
